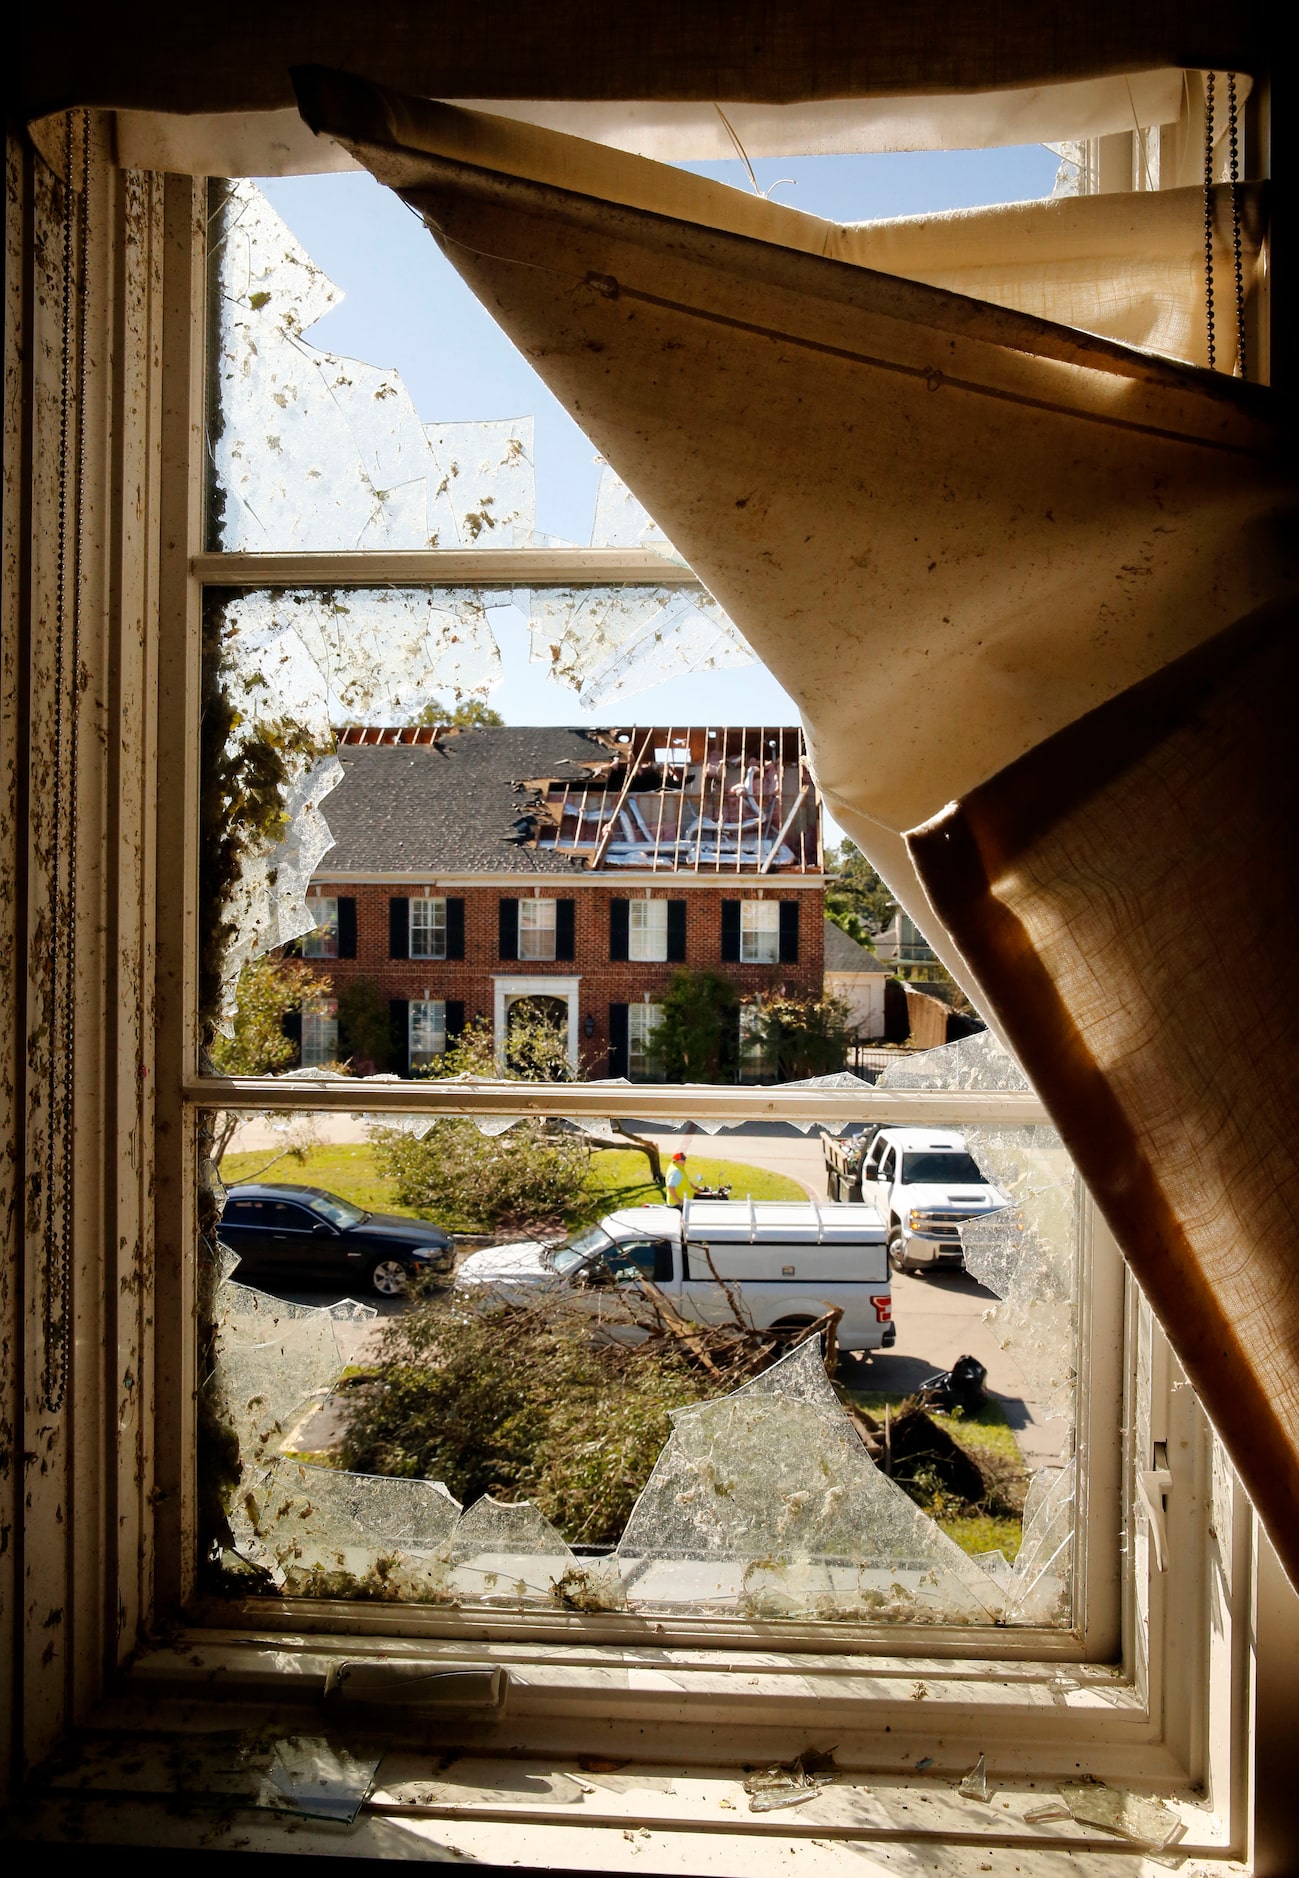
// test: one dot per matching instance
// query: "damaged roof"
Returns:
(561, 800)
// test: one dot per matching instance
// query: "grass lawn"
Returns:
(617, 1177)
(986, 1436)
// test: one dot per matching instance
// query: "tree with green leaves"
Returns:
(856, 899)
(695, 1042)
(800, 1036)
(469, 714)
(270, 989)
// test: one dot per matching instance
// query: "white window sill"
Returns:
(143, 1786)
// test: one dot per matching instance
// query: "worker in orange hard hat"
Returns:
(680, 1186)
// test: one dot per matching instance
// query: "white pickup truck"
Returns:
(787, 1264)
(925, 1183)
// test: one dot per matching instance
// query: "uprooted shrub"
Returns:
(521, 1403)
(530, 1402)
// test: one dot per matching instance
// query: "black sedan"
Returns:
(292, 1234)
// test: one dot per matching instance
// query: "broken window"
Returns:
(713, 1463)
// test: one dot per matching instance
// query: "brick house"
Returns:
(474, 870)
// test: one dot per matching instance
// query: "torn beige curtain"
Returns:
(1128, 897)
(950, 529)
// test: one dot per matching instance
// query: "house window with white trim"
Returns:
(643, 1021)
(323, 942)
(760, 932)
(319, 1032)
(647, 930)
(537, 929)
(428, 928)
(427, 1031)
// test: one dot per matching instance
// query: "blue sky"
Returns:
(405, 306)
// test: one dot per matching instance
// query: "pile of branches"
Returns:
(732, 1351)
(540, 1399)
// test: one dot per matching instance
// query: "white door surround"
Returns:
(509, 990)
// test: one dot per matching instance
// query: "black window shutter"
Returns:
(347, 928)
(789, 932)
(399, 1034)
(730, 932)
(565, 929)
(676, 932)
(619, 929)
(509, 940)
(618, 1039)
(455, 1010)
(291, 1025)
(455, 929)
(399, 927)
(728, 1055)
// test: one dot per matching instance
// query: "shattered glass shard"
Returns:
(511, 1553)
(975, 1784)
(311, 1519)
(1145, 1822)
(766, 1500)
(608, 643)
(622, 521)
(311, 450)
(273, 1360)
(978, 1062)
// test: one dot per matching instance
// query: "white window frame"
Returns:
(420, 1023)
(760, 932)
(647, 931)
(863, 1688)
(538, 921)
(427, 935)
(643, 1020)
(322, 941)
(753, 1056)
(320, 1025)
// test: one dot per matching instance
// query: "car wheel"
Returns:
(897, 1257)
(791, 1326)
(388, 1277)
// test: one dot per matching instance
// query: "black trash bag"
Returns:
(960, 1387)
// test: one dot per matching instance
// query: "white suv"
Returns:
(924, 1183)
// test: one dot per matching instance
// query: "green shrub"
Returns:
(528, 1179)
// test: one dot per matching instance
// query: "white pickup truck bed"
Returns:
(785, 1263)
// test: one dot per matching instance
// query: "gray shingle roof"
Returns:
(449, 807)
(843, 954)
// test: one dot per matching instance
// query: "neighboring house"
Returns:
(858, 977)
(475, 871)
(901, 942)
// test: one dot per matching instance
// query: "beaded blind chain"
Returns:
(60, 1073)
(1233, 150)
